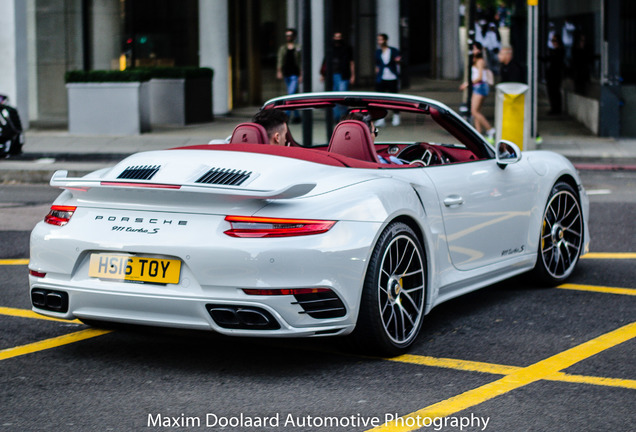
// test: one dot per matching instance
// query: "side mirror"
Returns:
(506, 153)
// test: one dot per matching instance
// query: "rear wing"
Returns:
(61, 180)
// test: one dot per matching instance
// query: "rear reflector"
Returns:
(258, 227)
(279, 292)
(59, 215)
(37, 273)
(141, 185)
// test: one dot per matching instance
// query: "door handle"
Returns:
(453, 201)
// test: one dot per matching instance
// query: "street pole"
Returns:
(533, 52)
(470, 39)
(328, 28)
(308, 126)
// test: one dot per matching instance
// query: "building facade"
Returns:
(42, 39)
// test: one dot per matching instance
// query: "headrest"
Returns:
(352, 138)
(252, 133)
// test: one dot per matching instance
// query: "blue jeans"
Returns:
(339, 84)
(291, 82)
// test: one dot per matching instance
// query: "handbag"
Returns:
(490, 77)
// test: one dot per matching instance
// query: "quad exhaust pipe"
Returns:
(242, 317)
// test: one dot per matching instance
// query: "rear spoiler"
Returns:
(61, 180)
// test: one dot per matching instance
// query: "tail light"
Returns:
(278, 292)
(257, 227)
(59, 215)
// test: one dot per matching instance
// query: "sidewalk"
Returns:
(52, 148)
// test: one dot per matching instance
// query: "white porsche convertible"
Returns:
(336, 233)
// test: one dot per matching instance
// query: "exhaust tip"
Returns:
(242, 317)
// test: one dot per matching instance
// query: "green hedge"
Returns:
(136, 74)
(177, 72)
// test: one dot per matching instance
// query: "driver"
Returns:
(365, 117)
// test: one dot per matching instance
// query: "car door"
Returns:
(486, 210)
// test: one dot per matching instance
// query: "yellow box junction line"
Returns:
(600, 289)
(609, 255)
(519, 378)
(499, 369)
(25, 313)
(16, 262)
(51, 343)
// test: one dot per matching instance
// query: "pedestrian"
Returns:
(582, 59)
(288, 65)
(479, 75)
(554, 74)
(492, 45)
(567, 40)
(343, 68)
(387, 71)
(510, 69)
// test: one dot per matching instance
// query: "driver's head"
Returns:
(363, 116)
(275, 123)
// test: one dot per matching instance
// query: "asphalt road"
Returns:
(514, 354)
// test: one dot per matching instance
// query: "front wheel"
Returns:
(394, 293)
(561, 236)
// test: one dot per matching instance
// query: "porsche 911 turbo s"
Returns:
(336, 233)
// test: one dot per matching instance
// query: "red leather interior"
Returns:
(252, 133)
(352, 138)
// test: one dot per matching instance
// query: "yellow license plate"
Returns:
(134, 268)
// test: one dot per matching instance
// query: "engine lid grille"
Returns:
(139, 172)
(224, 176)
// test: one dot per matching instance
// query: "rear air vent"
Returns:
(141, 172)
(226, 177)
(321, 305)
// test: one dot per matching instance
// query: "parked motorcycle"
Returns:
(11, 133)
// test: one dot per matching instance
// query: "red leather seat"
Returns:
(352, 138)
(252, 133)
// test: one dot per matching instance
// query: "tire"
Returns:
(561, 236)
(394, 293)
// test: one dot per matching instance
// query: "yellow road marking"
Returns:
(600, 381)
(465, 365)
(25, 313)
(499, 369)
(51, 343)
(522, 377)
(609, 255)
(601, 289)
(21, 261)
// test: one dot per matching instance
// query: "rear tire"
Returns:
(561, 236)
(394, 293)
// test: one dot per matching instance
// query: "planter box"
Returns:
(167, 101)
(112, 108)
(180, 101)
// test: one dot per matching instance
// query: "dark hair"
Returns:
(384, 36)
(270, 119)
(363, 116)
(478, 45)
(292, 30)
